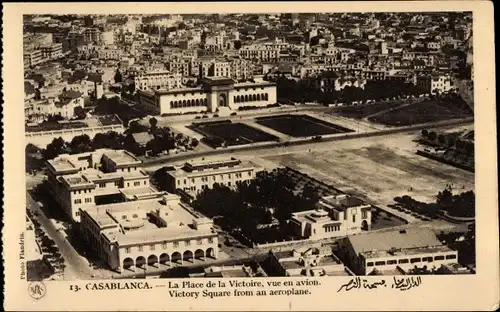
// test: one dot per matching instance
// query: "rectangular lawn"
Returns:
(300, 125)
(216, 133)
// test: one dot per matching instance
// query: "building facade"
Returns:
(214, 93)
(79, 181)
(395, 252)
(158, 80)
(435, 84)
(334, 216)
(309, 261)
(193, 177)
(153, 233)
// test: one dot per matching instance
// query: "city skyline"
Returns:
(125, 112)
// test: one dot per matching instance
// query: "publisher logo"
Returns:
(37, 290)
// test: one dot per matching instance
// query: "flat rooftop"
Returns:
(121, 157)
(62, 164)
(406, 252)
(135, 218)
(343, 202)
(75, 180)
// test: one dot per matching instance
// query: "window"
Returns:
(184, 181)
(403, 261)
(380, 263)
(369, 264)
(164, 245)
(137, 183)
(437, 258)
(117, 183)
(451, 257)
(134, 216)
(140, 248)
(210, 240)
(353, 218)
(151, 247)
(77, 213)
(415, 260)
(364, 214)
(199, 241)
(127, 250)
(102, 184)
(187, 242)
(389, 262)
(78, 201)
(88, 200)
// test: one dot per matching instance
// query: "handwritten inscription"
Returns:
(400, 283)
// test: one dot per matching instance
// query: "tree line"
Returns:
(270, 196)
(457, 205)
(163, 139)
(303, 91)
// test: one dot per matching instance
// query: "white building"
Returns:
(435, 84)
(158, 80)
(395, 252)
(214, 93)
(63, 106)
(193, 177)
(307, 261)
(334, 216)
(154, 233)
(110, 53)
(78, 181)
(107, 37)
(52, 51)
(260, 52)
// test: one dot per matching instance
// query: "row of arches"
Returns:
(251, 98)
(166, 259)
(188, 103)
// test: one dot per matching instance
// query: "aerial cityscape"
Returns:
(249, 145)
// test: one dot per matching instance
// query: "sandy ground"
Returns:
(379, 169)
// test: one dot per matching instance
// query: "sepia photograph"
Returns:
(175, 148)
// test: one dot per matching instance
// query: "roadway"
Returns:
(77, 267)
(295, 146)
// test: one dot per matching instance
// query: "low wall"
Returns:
(283, 243)
(44, 138)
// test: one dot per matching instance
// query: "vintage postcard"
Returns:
(250, 156)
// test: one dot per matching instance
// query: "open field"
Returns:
(378, 169)
(300, 125)
(426, 111)
(360, 112)
(218, 133)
